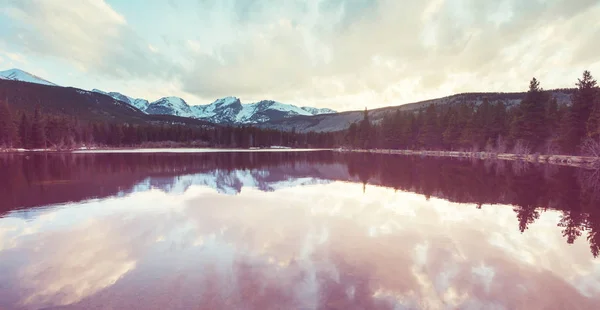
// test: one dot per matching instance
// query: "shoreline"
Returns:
(564, 160)
(159, 150)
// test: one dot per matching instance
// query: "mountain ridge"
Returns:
(20, 75)
(227, 110)
(223, 111)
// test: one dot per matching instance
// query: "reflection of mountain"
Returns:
(232, 182)
(43, 179)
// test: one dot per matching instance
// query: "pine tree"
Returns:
(25, 131)
(429, 136)
(590, 93)
(568, 138)
(8, 130)
(583, 105)
(38, 130)
(529, 123)
(453, 129)
(365, 131)
(552, 117)
(498, 125)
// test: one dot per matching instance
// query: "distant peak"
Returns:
(23, 76)
(172, 98)
(226, 100)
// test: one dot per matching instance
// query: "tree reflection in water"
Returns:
(36, 180)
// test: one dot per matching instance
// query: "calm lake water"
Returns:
(295, 230)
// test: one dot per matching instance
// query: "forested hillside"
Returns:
(342, 120)
(540, 122)
(34, 116)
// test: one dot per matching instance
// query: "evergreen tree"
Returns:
(583, 104)
(568, 139)
(589, 92)
(529, 123)
(552, 117)
(365, 131)
(429, 136)
(498, 125)
(25, 131)
(8, 131)
(38, 130)
(453, 129)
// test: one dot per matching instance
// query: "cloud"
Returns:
(89, 34)
(320, 52)
(345, 44)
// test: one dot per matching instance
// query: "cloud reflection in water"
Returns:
(307, 247)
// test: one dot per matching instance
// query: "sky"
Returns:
(344, 55)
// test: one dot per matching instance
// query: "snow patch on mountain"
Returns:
(274, 105)
(170, 106)
(20, 75)
(318, 111)
(222, 110)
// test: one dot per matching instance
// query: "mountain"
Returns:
(227, 110)
(141, 104)
(84, 105)
(170, 106)
(230, 110)
(20, 75)
(342, 120)
(221, 111)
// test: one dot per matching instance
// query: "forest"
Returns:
(538, 124)
(39, 130)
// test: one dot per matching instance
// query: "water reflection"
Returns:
(294, 231)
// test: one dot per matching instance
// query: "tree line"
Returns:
(537, 124)
(38, 130)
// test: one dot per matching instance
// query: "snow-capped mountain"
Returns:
(221, 111)
(170, 106)
(139, 103)
(228, 110)
(269, 110)
(20, 75)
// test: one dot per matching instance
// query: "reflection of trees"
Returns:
(530, 188)
(594, 240)
(43, 179)
(30, 180)
(526, 216)
(573, 224)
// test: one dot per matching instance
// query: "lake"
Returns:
(295, 230)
